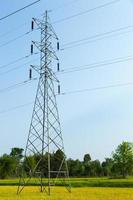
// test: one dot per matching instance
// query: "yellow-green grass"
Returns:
(81, 182)
(59, 193)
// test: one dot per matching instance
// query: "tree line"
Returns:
(120, 164)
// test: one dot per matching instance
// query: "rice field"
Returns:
(82, 189)
(81, 182)
(59, 193)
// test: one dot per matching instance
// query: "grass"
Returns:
(83, 182)
(59, 193)
(102, 182)
(82, 189)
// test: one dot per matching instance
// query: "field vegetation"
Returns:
(120, 165)
(59, 193)
(90, 179)
(81, 182)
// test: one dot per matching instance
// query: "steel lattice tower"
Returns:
(45, 135)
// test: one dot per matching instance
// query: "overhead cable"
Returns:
(86, 11)
(98, 88)
(96, 37)
(16, 11)
(69, 17)
(17, 67)
(82, 41)
(97, 64)
(17, 60)
(14, 39)
(15, 108)
(14, 86)
(72, 92)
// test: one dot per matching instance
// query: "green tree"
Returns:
(57, 159)
(107, 167)
(95, 168)
(87, 158)
(17, 153)
(123, 159)
(87, 164)
(29, 164)
(75, 167)
(7, 166)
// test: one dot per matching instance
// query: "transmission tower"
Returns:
(45, 142)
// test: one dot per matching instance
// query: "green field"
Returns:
(59, 193)
(82, 182)
(82, 189)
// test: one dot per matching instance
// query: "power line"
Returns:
(73, 43)
(74, 69)
(71, 92)
(16, 85)
(82, 67)
(98, 88)
(99, 35)
(12, 30)
(94, 40)
(69, 17)
(22, 25)
(96, 37)
(15, 108)
(81, 41)
(16, 68)
(87, 11)
(13, 13)
(16, 61)
(64, 5)
(97, 65)
(16, 38)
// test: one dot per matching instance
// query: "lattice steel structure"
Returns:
(45, 140)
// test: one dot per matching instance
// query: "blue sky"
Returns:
(92, 122)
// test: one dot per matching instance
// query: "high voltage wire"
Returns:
(78, 14)
(14, 39)
(23, 8)
(14, 86)
(12, 30)
(82, 67)
(18, 37)
(16, 107)
(96, 37)
(87, 11)
(76, 91)
(16, 61)
(100, 34)
(82, 41)
(74, 69)
(22, 25)
(93, 40)
(73, 92)
(98, 88)
(97, 65)
(13, 69)
(73, 42)
(17, 67)
(64, 5)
